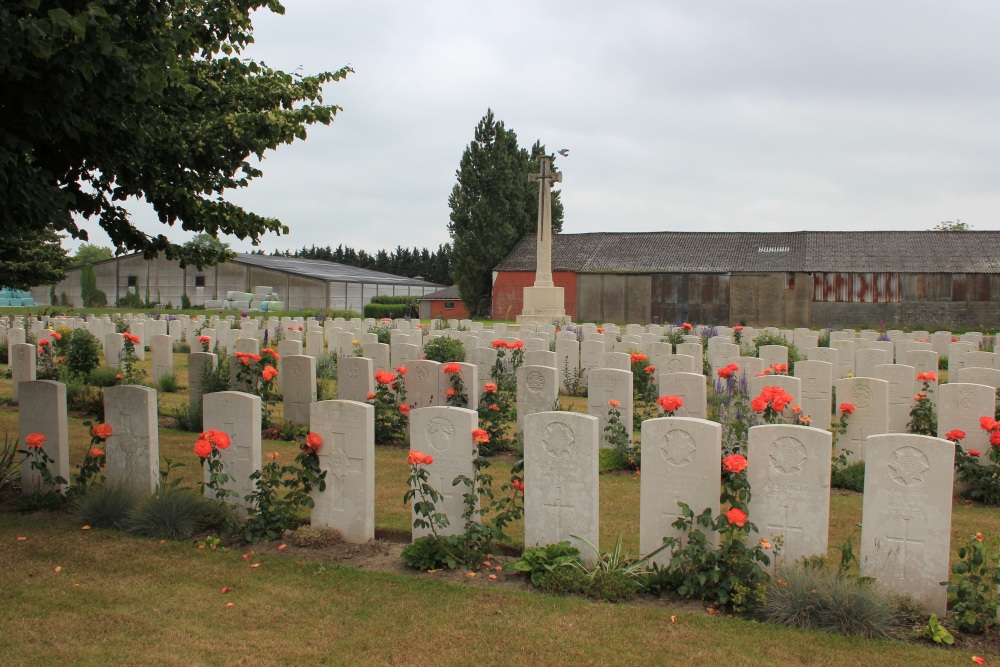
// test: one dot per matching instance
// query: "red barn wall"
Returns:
(508, 292)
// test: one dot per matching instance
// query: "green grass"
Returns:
(125, 600)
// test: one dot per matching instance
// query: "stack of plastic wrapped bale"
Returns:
(213, 304)
(236, 300)
(261, 293)
(16, 297)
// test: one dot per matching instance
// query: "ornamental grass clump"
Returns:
(107, 506)
(822, 599)
(172, 514)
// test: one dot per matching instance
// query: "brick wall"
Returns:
(508, 292)
(439, 312)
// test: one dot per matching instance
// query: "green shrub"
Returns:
(388, 299)
(326, 366)
(611, 586)
(972, 586)
(382, 331)
(536, 561)
(943, 363)
(172, 515)
(852, 477)
(183, 348)
(106, 506)
(216, 379)
(167, 383)
(102, 376)
(391, 310)
(82, 354)
(92, 297)
(189, 417)
(433, 553)
(84, 398)
(444, 349)
(822, 599)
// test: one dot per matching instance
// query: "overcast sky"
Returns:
(684, 116)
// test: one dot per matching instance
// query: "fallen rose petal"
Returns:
(673, 619)
(226, 589)
(201, 546)
(282, 547)
(85, 528)
(77, 586)
(487, 563)
(246, 556)
(470, 575)
(230, 604)
(21, 539)
(255, 565)
(498, 568)
(163, 541)
(298, 562)
(58, 568)
(493, 576)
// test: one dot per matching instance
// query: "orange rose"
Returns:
(35, 440)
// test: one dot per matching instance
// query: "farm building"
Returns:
(793, 279)
(299, 283)
(444, 304)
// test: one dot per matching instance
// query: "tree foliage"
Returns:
(493, 205)
(103, 100)
(30, 257)
(88, 253)
(432, 266)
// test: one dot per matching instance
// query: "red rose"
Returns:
(451, 369)
(480, 436)
(670, 403)
(737, 517)
(758, 404)
(203, 448)
(734, 463)
(613, 403)
(314, 441)
(954, 435)
(847, 408)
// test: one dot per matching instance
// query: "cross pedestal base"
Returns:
(543, 305)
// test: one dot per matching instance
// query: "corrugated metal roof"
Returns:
(327, 271)
(446, 294)
(748, 252)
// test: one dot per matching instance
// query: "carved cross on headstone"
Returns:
(785, 527)
(342, 466)
(558, 506)
(902, 541)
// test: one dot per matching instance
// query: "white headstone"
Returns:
(355, 379)
(604, 385)
(237, 415)
(42, 409)
(788, 468)
(424, 383)
(690, 387)
(446, 434)
(906, 516)
(870, 398)
(23, 366)
(902, 388)
(300, 387)
(680, 463)
(133, 449)
(561, 484)
(348, 457)
(162, 349)
(960, 406)
(817, 391)
(537, 391)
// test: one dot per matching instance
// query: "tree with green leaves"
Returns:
(492, 206)
(105, 100)
(30, 257)
(89, 253)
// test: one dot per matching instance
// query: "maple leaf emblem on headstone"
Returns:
(558, 439)
(787, 455)
(907, 466)
(677, 448)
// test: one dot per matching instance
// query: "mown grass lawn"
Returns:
(124, 600)
(121, 600)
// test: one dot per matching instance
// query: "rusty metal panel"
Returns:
(858, 287)
(958, 287)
